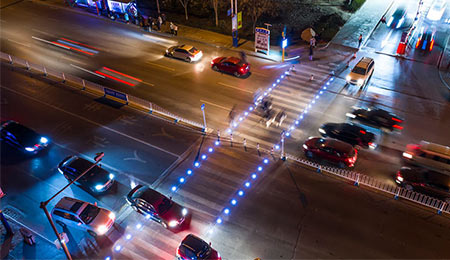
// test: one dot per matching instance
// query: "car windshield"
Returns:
(164, 206)
(193, 50)
(359, 70)
(89, 213)
(204, 252)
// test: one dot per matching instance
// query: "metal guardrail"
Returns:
(96, 89)
(358, 179)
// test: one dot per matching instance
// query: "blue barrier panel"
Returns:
(116, 94)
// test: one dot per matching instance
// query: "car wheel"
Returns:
(408, 187)
(187, 59)
(215, 68)
(92, 233)
(309, 154)
(237, 74)
(342, 165)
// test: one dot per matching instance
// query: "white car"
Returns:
(362, 72)
(437, 9)
(83, 215)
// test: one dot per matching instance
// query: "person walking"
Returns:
(172, 28)
(359, 40)
(175, 28)
(243, 56)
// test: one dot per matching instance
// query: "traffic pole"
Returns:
(231, 139)
(257, 149)
(245, 144)
(283, 156)
(204, 118)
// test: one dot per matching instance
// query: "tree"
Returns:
(256, 8)
(215, 4)
(185, 3)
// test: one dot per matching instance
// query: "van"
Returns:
(429, 155)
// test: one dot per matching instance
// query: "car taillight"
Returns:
(242, 69)
(178, 252)
(417, 44)
(362, 132)
(396, 119)
(398, 127)
(431, 44)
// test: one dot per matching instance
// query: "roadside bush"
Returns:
(328, 26)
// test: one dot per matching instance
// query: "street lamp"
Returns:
(44, 204)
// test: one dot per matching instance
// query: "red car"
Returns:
(231, 65)
(331, 150)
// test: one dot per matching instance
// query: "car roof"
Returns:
(67, 203)
(234, 60)
(185, 47)
(364, 62)
(338, 145)
(148, 194)
(440, 150)
(193, 242)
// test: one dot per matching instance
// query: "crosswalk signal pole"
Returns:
(283, 155)
(204, 118)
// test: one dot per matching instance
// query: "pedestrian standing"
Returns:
(359, 40)
(310, 52)
(127, 19)
(175, 28)
(312, 41)
(163, 16)
(243, 56)
(172, 30)
(159, 22)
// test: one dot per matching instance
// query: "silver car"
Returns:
(184, 52)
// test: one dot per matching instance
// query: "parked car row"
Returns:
(95, 220)
(229, 65)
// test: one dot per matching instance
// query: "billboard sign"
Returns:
(262, 39)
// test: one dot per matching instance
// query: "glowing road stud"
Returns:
(277, 147)
(260, 168)
(313, 102)
(229, 130)
(282, 76)
(147, 216)
(321, 92)
(217, 142)
(270, 89)
(174, 188)
(288, 134)
(226, 211)
(203, 156)
(210, 150)
(274, 85)
(266, 161)
(219, 221)
(246, 113)
(189, 172)
(301, 116)
(181, 180)
(247, 184)
(196, 164)
(250, 108)
(117, 248)
(317, 96)
(297, 122)
(108, 258)
(241, 193)
(254, 176)
(233, 202)
(278, 81)
(128, 237)
(138, 226)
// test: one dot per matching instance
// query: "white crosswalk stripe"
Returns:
(292, 95)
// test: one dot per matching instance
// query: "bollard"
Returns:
(354, 55)
(64, 78)
(245, 144)
(28, 65)
(319, 170)
(257, 149)
(396, 195)
(151, 108)
(10, 59)
(440, 210)
(271, 151)
(45, 72)
(312, 77)
(218, 135)
(27, 236)
(357, 180)
(84, 84)
(293, 67)
(231, 140)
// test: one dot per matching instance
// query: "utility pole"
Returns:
(204, 117)
(234, 25)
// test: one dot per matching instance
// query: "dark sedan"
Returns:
(156, 206)
(193, 247)
(231, 65)
(349, 133)
(398, 18)
(376, 117)
(96, 179)
(22, 138)
(428, 182)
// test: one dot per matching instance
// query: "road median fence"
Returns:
(100, 91)
(360, 179)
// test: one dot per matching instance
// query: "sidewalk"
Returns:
(13, 247)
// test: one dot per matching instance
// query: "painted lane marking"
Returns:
(93, 122)
(16, 42)
(114, 78)
(88, 71)
(162, 66)
(122, 74)
(226, 85)
(219, 106)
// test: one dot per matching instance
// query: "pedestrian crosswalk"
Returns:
(205, 194)
(292, 95)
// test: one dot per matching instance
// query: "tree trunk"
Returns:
(217, 16)
(157, 6)
(185, 11)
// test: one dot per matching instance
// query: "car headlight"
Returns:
(173, 223)
(400, 23)
(407, 155)
(350, 115)
(305, 146)
(102, 229)
(360, 81)
(322, 131)
(390, 21)
(111, 176)
(184, 212)
(167, 51)
(400, 178)
(98, 187)
(112, 215)
(348, 78)
(29, 149)
(43, 140)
